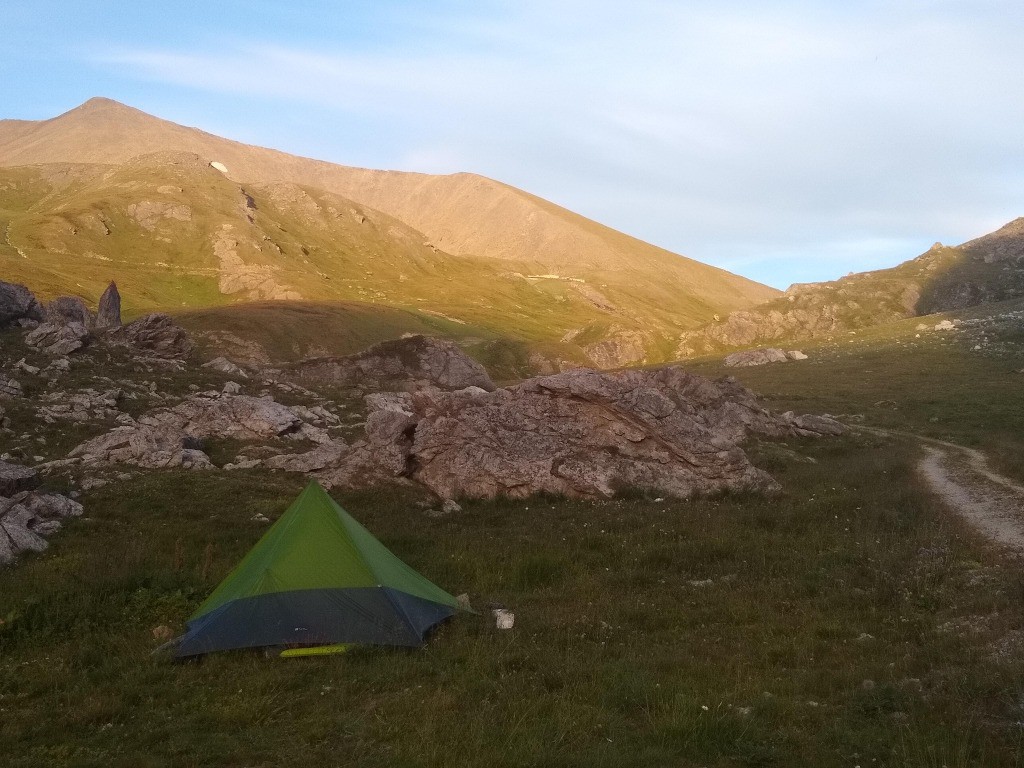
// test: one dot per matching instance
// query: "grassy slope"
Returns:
(985, 270)
(73, 228)
(719, 632)
(461, 214)
(930, 383)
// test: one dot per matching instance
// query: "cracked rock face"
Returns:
(411, 363)
(156, 334)
(58, 340)
(172, 437)
(581, 433)
(18, 304)
(27, 517)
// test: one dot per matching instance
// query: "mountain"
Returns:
(108, 191)
(984, 270)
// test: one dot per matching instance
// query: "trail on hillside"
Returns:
(992, 503)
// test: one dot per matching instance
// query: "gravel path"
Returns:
(962, 478)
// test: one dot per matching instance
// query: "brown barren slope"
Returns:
(462, 214)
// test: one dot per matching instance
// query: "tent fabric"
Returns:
(316, 577)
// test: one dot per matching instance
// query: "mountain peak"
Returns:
(101, 105)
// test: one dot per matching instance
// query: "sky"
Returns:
(785, 141)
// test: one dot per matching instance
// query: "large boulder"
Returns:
(27, 517)
(409, 363)
(58, 339)
(155, 334)
(151, 446)
(751, 357)
(18, 304)
(236, 416)
(581, 433)
(68, 309)
(109, 313)
(15, 478)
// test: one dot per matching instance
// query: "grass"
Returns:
(929, 383)
(727, 631)
(71, 229)
(849, 621)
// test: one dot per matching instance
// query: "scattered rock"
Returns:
(155, 333)
(18, 303)
(58, 340)
(226, 366)
(232, 388)
(144, 446)
(450, 507)
(409, 363)
(9, 387)
(21, 365)
(27, 517)
(171, 437)
(809, 425)
(109, 313)
(751, 357)
(796, 354)
(945, 325)
(162, 634)
(320, 457)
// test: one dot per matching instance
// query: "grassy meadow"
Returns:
(849, 621)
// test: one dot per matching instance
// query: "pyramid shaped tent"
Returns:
(317, 577)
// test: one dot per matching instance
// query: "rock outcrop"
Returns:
(224, 365)
(9, 387)
(151, 446)
(751, 357)
(234, 416)
(58, 339)
(15, 478)
(65, 310)
(18, 305)
(27, 517)
(172, 437)
(409, 363)
(109, 313)
(155, 334)
(581, 433)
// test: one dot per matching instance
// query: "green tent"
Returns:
(317, 577)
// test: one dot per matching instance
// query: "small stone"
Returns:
(450, 506)
(232, 388)
(162, 633)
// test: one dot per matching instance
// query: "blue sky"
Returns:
(786, 141)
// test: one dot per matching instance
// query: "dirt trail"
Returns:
(961, 477)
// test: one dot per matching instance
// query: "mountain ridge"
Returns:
(105, 131)
(106, 191)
